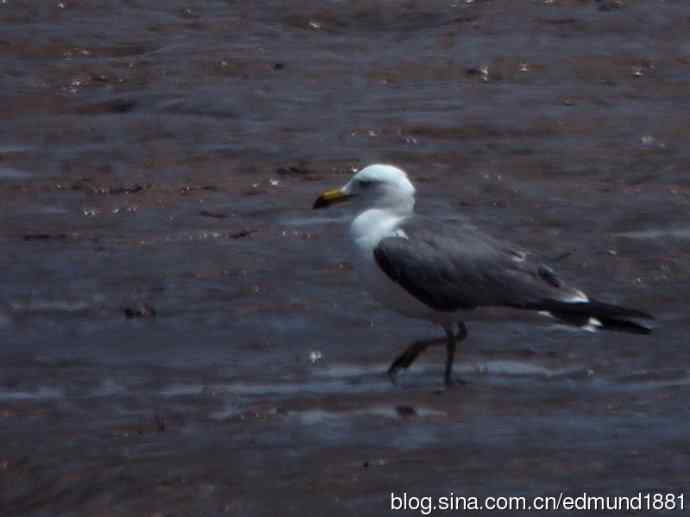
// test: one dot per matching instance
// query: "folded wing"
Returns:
(451, 267)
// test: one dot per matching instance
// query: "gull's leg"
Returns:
(451, 344)
(408, 357)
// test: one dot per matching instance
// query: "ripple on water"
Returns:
(46, 210)
(227, 411)
(650, 380)
(14, 148)
(350, 370)
(109, 388)
(316, 220)
(506, 367)
(316, 416)
(8, 173)
(277, 389)
(658, 233)
(42, 393)
(49, 305)
(497, 367)
(346, 378)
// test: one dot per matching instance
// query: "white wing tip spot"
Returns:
(592, 325)
(576, 297)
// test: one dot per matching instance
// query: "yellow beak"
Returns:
(331, 197)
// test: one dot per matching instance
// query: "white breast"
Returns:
(369, 227)
(366, 231)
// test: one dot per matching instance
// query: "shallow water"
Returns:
(183, 335)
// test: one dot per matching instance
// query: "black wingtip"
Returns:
(611, 317)
(616, 311)
(629, 326)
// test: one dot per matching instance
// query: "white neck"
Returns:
(374, 224)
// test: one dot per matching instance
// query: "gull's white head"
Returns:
(375, 186)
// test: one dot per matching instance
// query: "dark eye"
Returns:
(365, 184)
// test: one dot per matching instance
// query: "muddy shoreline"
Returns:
(181, 334)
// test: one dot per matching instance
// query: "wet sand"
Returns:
(183, 336)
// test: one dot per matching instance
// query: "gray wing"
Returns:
(455, 266)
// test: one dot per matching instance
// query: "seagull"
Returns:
(437, 271)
